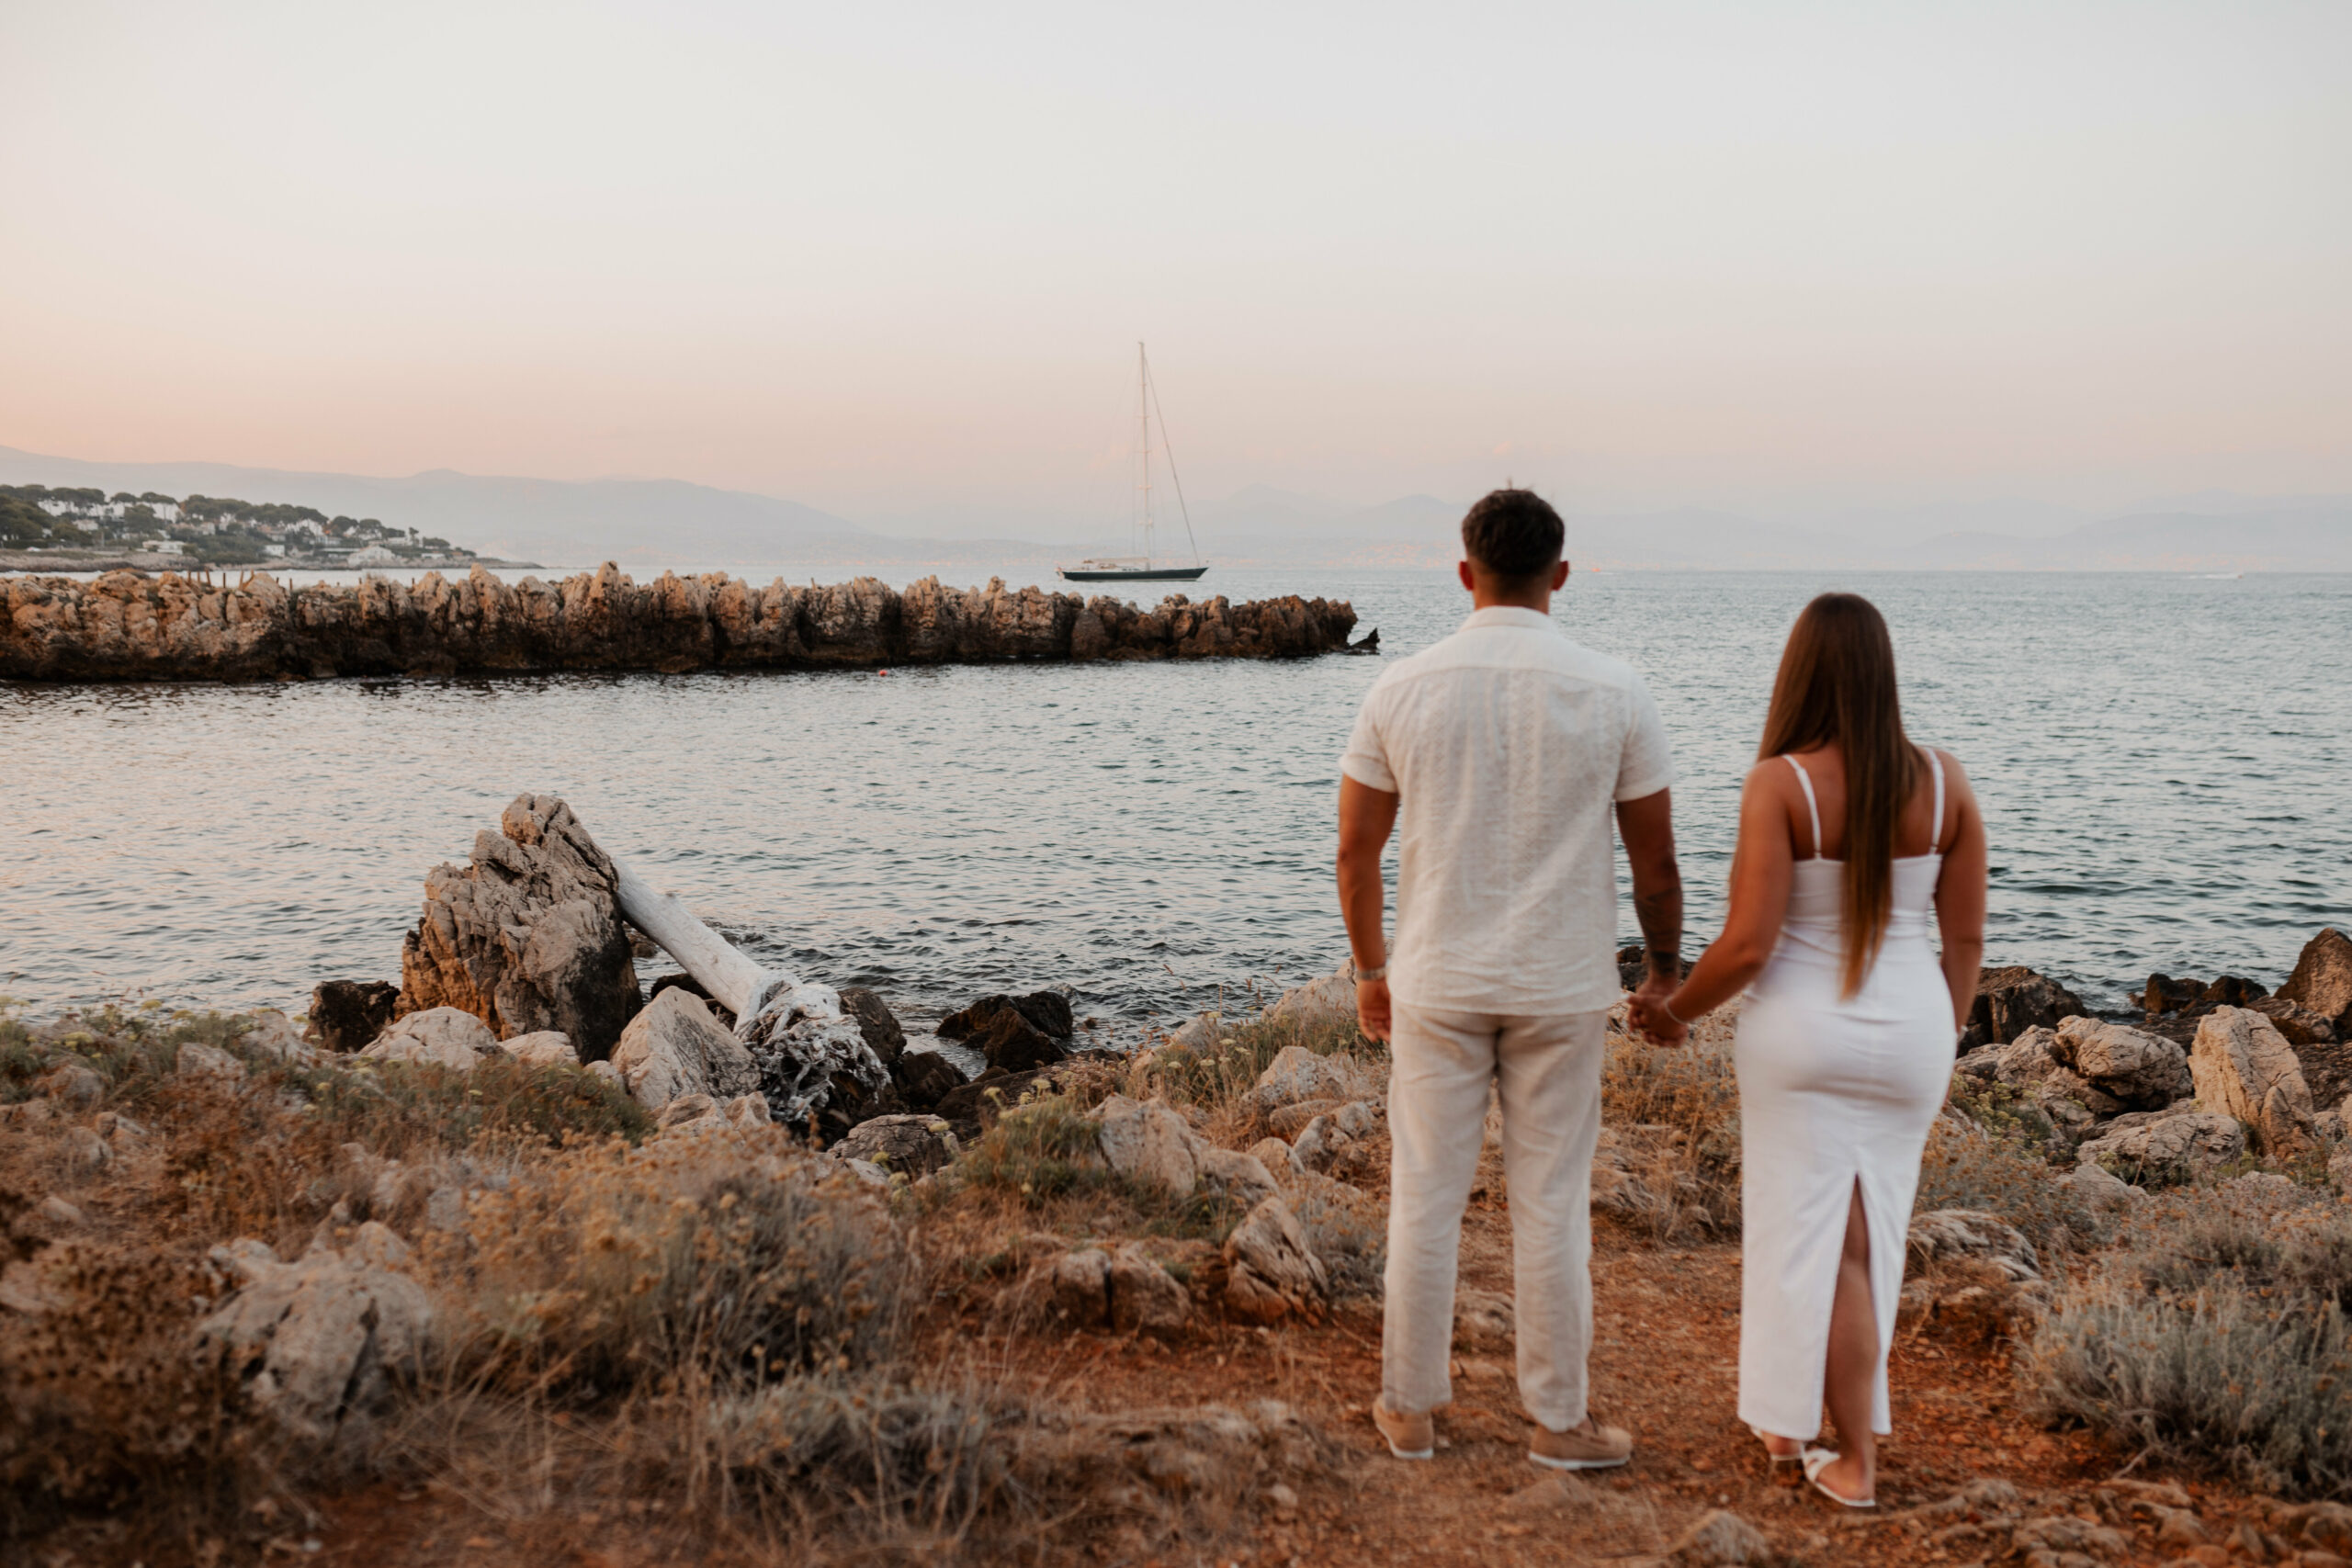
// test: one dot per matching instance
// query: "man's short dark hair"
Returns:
(1513, 535)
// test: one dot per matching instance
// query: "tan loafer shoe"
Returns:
(1408, 1437)
(1590, 1446)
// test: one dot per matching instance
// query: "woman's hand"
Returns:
(1648, 1016)
(1371, 1008)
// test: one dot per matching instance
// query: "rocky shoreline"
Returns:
(128, 626)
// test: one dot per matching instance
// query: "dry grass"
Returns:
(2215, 1334)
(1214, 1079)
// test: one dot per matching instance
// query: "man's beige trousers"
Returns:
(1547, 1071)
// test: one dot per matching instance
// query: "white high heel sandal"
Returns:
(1818, 1460)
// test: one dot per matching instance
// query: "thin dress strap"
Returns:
(1811, 806)
(1936, 827)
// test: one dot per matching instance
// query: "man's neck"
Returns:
(1539, 603)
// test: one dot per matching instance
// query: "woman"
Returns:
(1847, 833)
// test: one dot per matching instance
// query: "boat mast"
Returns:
(1143, 449)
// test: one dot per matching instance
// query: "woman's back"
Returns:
(1814, 929)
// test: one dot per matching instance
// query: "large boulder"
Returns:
(1272, 1270)
(2244, 1067)
(1331, 999)
(675, 1047)
(2025, 1061)
(2322, 982)
(2012, 1000)
(1149, 1143)
(1014, 1033)
(347, 1015)
(527, 937)
(2167, 1150)
(447, 1037)
(884, 1035)
(1144, 1297)
(2142, 1071)
(924, 1079)
(911, 1146)
(317, 1341)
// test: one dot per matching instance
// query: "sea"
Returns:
(2164, 762)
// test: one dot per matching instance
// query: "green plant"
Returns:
(1214, 1076)
(1968, 1167)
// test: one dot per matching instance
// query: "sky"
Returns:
(892, 261)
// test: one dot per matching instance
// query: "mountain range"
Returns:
(648, 524)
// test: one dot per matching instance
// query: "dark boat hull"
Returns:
(1150, 574)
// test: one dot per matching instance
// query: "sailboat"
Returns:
(1149, 566)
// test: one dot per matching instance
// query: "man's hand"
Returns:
(1648, 1016)
(1371, 1008)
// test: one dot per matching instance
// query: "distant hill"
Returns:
(648, 524)
(563, 522)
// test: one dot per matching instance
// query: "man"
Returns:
(1499, 752)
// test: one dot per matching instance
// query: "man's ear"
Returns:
(1468, 581)
(1560, 577)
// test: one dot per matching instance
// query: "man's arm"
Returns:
(1646, 826)
(1366, 817)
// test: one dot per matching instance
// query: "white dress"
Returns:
(1833, 1091)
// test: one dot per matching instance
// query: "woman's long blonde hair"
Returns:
(1837, 684)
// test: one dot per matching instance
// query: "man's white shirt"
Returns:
(1508, 744)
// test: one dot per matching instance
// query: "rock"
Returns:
(2179, 1527)
(2244, 1067)
(86, 1149)
(1484, 1320)
(922, 1077)
(346, 1015)
(1297, 1072)
(527, 936)
(316, 1341)
(1273, 1272)
(2299, 1024)
(675, 1047)
(609, 1073)
(1719, 1540)
(2170, 1148)
(1973, 1234)
(911, 1146)
(1983, 1064)
(684, 1111)
(1320, 1144)
(1080, 1286)
(689, 984)
(691, 1115)
(2141, 1071)
(1289, 1121)
(1144, 1296)
(273, 1035)
(884, 1036)
(447, 1037)
(2062, 1083)
(1013, 1033)
(2339, 1168)
(1197, 1034)
(58, 1211)
(199, 1060)
(544, 1048)
(129, 626)
(2025, 1061)
(2012, 1000)
(2322, 981)
(1317, 1003)
(1242, 1178)
(73, 1083)
(2063, 1533)
(2163, 994)
(2102, 1192)
(1273, 1155)
(1149, 1143)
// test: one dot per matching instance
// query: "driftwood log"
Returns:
(126, 626)
(530, 936)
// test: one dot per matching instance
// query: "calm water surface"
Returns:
(2167, 763)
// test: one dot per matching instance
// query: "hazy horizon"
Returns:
(1823, 267)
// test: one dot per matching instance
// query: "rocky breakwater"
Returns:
(128, 626)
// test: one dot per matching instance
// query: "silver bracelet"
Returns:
(1379, 974)
(1668, 1007)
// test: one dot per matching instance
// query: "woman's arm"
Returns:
(1761, 877)
(1960, 895)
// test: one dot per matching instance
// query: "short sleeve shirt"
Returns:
(1508, 745)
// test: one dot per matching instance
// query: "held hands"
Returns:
(1647, 1017)
(1371, 1008)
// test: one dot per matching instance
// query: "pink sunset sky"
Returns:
(893, 260)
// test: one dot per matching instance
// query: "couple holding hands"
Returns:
(1495, 757)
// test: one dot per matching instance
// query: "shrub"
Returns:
(1214, 1078)
(1044, 1148)
(721, 1262)
(1677, 1115)
(2217, 1331)
(1968, 1166)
